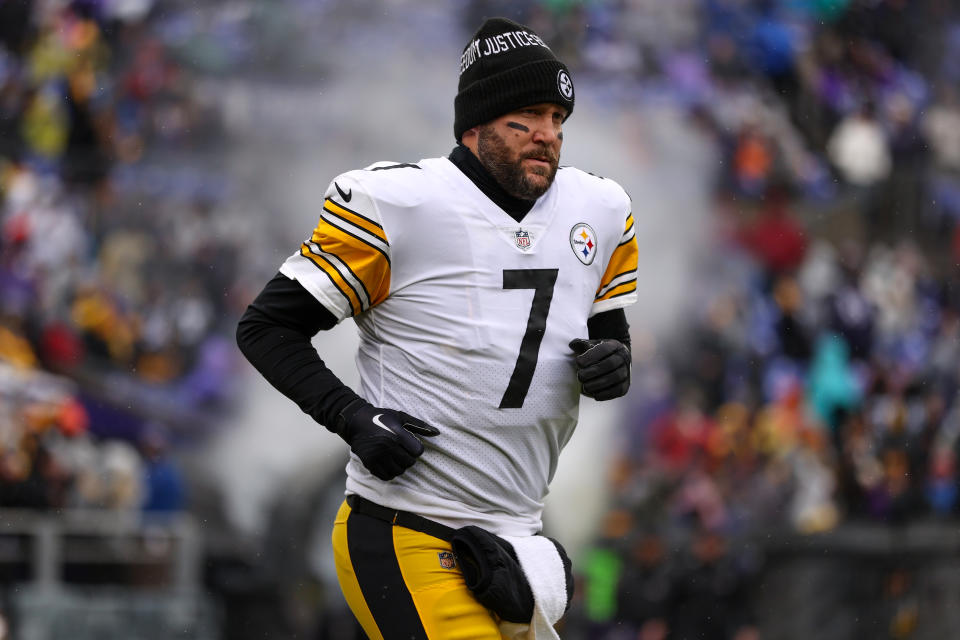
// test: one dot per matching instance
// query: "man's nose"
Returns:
(545, 131)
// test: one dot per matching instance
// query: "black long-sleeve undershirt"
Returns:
(275, 331)
(274, 334)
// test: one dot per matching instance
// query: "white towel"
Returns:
(543, 568)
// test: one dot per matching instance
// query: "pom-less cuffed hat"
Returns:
(506, 66)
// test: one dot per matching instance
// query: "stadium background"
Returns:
(785, 463)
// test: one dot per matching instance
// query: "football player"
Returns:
(488, 289)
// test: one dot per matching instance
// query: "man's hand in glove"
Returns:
(385, 440)
(603, 367)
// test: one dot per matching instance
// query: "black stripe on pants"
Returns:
(370, 542)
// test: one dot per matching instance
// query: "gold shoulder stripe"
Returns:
(338, 281)
(619, 290)
(367, 263)
(623, 260)
(355, 218)
(616, 280)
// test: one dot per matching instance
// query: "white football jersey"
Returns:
(465, 316)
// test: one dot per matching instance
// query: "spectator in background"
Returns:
(92, 225)
(12, 105)
(15, 24)
(121, 475)
(163, 486)
(899, 216)
(849, 312)
(601, 571)
(753, 160)
(940, 126)
(711, 593)
(646, 588)
(793, 334)
(832, 386)
(859, 148)
(775, 238)
(772, 48)
(940, 489)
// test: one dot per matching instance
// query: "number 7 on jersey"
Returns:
(542, 282)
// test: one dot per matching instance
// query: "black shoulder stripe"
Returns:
(402, 165)
(359, 215)
(619, 275)
(353, 224)
(353, 235)
(625, 293)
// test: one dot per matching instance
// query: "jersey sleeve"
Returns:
(618, 287)
(345, 263)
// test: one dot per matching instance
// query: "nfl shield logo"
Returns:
(447, 561)
(522, 238)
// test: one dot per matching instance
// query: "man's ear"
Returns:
(469, 138)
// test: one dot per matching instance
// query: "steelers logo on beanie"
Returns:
(506, 66)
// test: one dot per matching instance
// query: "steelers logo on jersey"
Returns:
(583, 241)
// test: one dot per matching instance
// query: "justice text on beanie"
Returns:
(506, 66)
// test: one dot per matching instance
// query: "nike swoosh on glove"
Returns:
(603, 367)
(385, 440)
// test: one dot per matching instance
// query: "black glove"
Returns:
(603, 367)
(493, 574)
(383, 439)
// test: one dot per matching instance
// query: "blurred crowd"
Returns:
(813, 384)
(118, 275)
(814, 381)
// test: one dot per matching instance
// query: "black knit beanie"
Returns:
(506, 66)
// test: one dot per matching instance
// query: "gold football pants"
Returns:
(402, 584)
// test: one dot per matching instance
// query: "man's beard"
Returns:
(497, 158)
